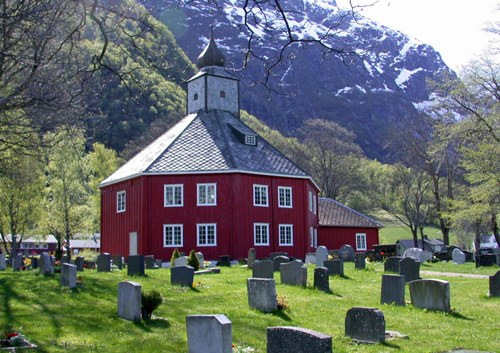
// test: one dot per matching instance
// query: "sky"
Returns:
(452, 27)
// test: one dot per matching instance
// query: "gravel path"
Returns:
(453, 274)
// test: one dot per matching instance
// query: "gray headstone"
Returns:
(117, 261)
(278, 260)
(158, 263)
(181, 261)
(346, 253)
(321, 255)
(79, 261)
(279, 253)
(458, 257)
(365, 325)
(45, 263)
(311, 258)
(149, 261)
(251, 257)
(335, 267)
(182, 275)
(262, 294)
(135, 265)
(201, 259)
(426, 256)
(129, 300)
(68, 275)
(360, 260)
(263, 269)
(414, 253)
(209, 334)
(393, 290)
(17, 265)
(294, 273)
(321, 280)
(391, 264)
(431, 294)
(3, 264)
(225, 260)
(104, 263)
(495, 285)
(409, 268)
(284, 339)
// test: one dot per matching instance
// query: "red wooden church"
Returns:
(210, 184)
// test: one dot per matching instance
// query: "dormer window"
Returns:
(250, 140)
(245, 136)
(195, 97)
(223, 94)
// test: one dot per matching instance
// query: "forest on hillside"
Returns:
(85, 85)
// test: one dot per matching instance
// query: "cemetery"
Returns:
(301, 307)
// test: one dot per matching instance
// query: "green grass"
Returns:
(85, 319)
(394, 230)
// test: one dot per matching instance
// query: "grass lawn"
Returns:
(85, 319)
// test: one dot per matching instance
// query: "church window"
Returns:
(222, 94)
(195, 97)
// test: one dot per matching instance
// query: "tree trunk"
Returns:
(494, 228)
(422, 236)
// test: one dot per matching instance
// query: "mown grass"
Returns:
(85, 319)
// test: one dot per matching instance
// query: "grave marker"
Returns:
(360, 261)
(104, 263)
(225, 260)
(117, 261)
(346, 253)
(251, 257)
(135, 265)
(495, 285)
(311, 258)
(68, 275)
(263, 269)
(79, 261)
(262, 294)
(149, 261)
(391, 264)
(284, 339)
(278, 260)
(209, 334)
(3, 264)
(458, 257)
(335, 267)
(409, 268)
(17, 264)
(46, 267)
(431, 294)
(294, 273)
(365, 325)
(321, 279)
(321, 255)
(129, 300)
(181, 261)
(414, 253)
(393, 290)
(201, 259)
(182, 275)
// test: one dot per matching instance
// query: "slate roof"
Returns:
(207, 142)
(333, 213)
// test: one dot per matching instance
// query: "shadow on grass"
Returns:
(148, 325)
(459, 316)
(390, 345)
(282, 315)
(7, 293)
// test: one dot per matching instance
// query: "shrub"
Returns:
(175, 255)
(193, 261)
(149, 303)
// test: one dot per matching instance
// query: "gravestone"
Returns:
(129, 300)
(321, 279)
(79, 261)
(495, 285)
(409, 268)
(310, 258)
(458, 257)
(335, 267)
(365, 325)
(426, 256)
(181, 261)
(17, 265)
(391, 264)
(393, 290)
(346, 253)
(117, 261)
(158, 263)
(262, 294)
(278, 260)
(293, 273)
(201, 259)
(360, 261)
(251, 257)
(486, 260)
(209, 334)
(321, 255)
(275, 254)
(65, 260)
(225, 260)
(3, 264)
(46, 267)
(34, 262)
(104, 263)
(182, 275)
(414, 253)
(263, 269)
(431, 294)
(135, 265)
(149, 261)
(90, 264)
(68, 275)
(287, 339)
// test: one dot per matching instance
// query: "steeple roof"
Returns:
(211, 55)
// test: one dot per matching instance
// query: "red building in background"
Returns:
(209, 184)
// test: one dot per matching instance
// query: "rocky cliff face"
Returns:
(378, 83)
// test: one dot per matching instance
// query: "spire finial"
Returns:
(211, 55)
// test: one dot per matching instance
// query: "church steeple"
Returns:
(213, 87)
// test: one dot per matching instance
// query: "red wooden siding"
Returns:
(335, 237)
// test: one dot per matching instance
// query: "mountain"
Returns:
(374, 87)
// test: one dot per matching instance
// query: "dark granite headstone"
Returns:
(278, 260)
(410, 268)
(65, 260)
(365, 325)
(104, 263)
(391, 264)
(335, 267)
(275, 254)
(17, 264)
(90, 264)
(360, 261)
(393, 290)
(263, 269)
(495, 285)
(182, 275)
(282, 339)
(79, 261)
(225, 260)
(135, 265)
(3, 262)
(346, 253)
(117, 261)
(34, 262)
(486, 260)
(150, 262)
(321, 279)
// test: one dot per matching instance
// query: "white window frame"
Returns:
(311, 237)
(207, 201)
(121, 201)
(315, 204)
(173, 243)
(310, 201)
(205, 227)
(251, 140)
(282, 201)
(282, 228)
(262, 191)
(315, 238)
(173, 187)
(361, 241)
(259, 227)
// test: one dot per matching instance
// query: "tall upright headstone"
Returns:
(495, 285)
(209, 334)
(201, 259)
(3, 264)
(410, 268)
(117, 261)
(321, 280)
(251, 257)
(17, 264)
(321, 255)
(129, 300)
(79, 262)
(360, 261)
(393, 290)
(68, 275)
(262, 294)
(135, 265)
(46, 267)
(104, 263)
